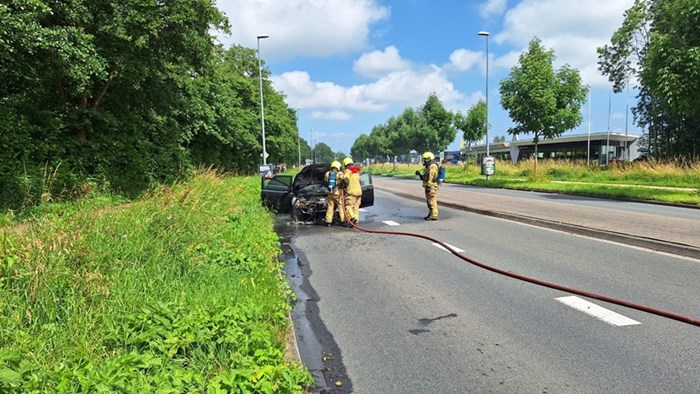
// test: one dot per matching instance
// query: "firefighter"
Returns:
(334, 180)
(430, 184)
(353, 189)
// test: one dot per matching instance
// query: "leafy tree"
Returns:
(97, 88)
(324, 153)
(540, 100)
(473, 125)
(439, 131)
(622, 58)
(657, 44)
(363, 148)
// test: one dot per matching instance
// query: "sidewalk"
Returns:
(657, 232)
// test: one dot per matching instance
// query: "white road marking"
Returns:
(456, 249)
(390, 223)
(597, 311)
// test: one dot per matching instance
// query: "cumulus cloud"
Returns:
(331, 115)
(301, 91)
(464, 59)
(492, 7)
(302, 27)
(574, 29)
(401, 88)
(379, 63)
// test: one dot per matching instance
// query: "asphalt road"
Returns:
(395, 314)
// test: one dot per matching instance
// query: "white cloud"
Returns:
(464, 59)
(302, 27)
(574, 29)
(331, 115)
(302, 92)
(402, 88)
(492, 7)
(380, 63)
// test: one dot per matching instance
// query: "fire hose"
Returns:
(612, 300)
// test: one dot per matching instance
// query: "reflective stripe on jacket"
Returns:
(351, 176)
(430, 175)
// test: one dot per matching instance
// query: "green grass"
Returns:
(179, 291)
(646, 181)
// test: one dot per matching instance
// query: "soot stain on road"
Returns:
(317, 347)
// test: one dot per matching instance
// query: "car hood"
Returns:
(311, 179)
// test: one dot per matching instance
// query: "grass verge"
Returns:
(179, 291)
(673, 183)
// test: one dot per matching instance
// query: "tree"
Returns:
(540, 100)
(657, 44)
(439, 131)
(324, 153)
(473, 125)
(363, 148)
(622, 58)
(101, 88)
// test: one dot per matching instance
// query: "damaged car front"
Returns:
(304, 195)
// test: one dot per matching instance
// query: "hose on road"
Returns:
(643, 308)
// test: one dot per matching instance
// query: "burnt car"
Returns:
(304, 195)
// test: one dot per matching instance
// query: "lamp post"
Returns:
(588, 150)
(298, 139)
(262, 105)
(313, 148)
(486, 34)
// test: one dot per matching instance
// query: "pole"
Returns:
(313, 148)
(262, 104)
(486, 34)
(607, 142)
(627, 111)
(298, 139)
(588, 151)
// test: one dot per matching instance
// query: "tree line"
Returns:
(657, 48)
(124, 95)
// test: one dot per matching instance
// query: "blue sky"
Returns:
(352, 64)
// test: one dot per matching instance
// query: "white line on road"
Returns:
(390, 223)
(456, 249)
(597, 311)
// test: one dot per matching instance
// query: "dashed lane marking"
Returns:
(390, 223)
(456, 249)
(597, 311)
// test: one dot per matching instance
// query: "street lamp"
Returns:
(486, 34)
(298, 139)
(262, 105)
(313, 148)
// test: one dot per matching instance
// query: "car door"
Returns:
(367, 190)
(276, 193)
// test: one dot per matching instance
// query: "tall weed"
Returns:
(179, 291)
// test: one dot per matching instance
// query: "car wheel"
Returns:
(296, 214)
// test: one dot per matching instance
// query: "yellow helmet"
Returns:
(347, 161)
(336, 165)
(428, 156)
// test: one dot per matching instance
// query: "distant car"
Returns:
(304, 195)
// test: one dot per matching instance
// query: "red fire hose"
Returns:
(643, 308)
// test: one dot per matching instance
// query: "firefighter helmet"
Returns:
(347, 161)
(336, 165)
(428, 156)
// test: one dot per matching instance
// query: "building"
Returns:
(590, 147)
